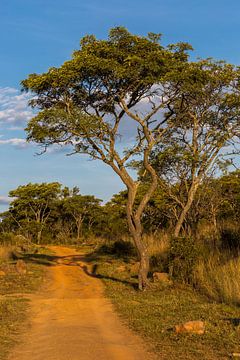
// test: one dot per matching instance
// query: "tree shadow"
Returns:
(94, 274)
(51, 260)
(233, 321)
(73, 260)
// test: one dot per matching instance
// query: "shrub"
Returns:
(230, 238)
(183, 257)
(158, 262)
(7, 238)
(120, 248)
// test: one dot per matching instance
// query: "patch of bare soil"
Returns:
(72, 320)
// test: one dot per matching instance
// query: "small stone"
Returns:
(236, 355)
(2, 273)
(135, 268)
(21, 267)
(121, 268)
(163, 278)
(59, 261)
(194, 327)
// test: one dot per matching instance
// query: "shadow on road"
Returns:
(72, 260)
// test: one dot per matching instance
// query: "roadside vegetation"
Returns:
(17, 282)
(154, 313)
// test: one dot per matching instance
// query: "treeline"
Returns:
(50, 212)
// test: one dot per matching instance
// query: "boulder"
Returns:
(163, 278)
(2, 273)
(194, 327)
(21, 267)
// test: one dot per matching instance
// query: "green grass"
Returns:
(12, 316)
(13, 283)
(13, 305)
(154, 313)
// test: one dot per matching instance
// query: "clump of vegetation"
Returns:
(6, 253)
(119, 248)
(13, 309)
(230, 238)
(12, 315)
(219, 278)
(183, 257)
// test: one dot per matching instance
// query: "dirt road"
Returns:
(71, 320)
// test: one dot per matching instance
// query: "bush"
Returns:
(120, 248)
(230, 238)
(184, 254)
(7, 238)
(158, 262)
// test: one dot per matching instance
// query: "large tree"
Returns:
(109, 84)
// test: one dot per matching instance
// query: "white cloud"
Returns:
(14, 108)
(5, 200)
(17, 142)
(14, 128)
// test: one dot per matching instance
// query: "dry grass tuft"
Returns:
(5, 253)
(219, 279)
(157, 244)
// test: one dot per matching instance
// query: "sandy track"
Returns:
(71, 320)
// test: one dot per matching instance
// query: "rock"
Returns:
(59, 261)
(162, 278)
(134, 302)
(21, 267)
(135, 267)
(121, 268)
(2, 273)
(236, 355)
(194, 327)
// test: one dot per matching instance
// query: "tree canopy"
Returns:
(185, 114)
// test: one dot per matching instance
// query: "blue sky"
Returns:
(38, 34)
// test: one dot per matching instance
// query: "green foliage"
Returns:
(47, 213)
(184, 255)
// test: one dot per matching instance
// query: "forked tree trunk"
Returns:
(143, 257)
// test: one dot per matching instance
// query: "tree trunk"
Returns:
(78, 222)
(79, 231)
(186, 208)
(143, 259)
(39, 236)
(135, 228)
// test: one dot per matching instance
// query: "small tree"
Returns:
(205, 117)
(33, 204)
(85, 103)
(82, 208)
